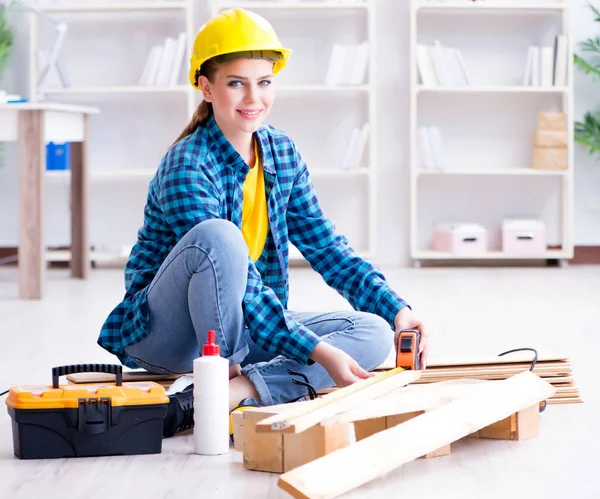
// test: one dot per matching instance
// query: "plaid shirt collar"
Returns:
(231, 157)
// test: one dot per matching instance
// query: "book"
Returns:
(425, 67)
(179, 56)
(560, 60)
(425, 149)
(437, 146)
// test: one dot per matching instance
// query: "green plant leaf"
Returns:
(596, 13)
(586, 67)
(587, 132)
(591, 45)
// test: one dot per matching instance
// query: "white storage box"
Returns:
(523, 237)
(460, 238)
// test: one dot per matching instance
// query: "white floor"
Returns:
(470, 311)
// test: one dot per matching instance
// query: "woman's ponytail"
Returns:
(205, 109)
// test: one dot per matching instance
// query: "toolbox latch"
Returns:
(94, 415)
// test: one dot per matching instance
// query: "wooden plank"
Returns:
(261, 452)
(408, 400)
(348, 468)
(522, 425)
(483, 360)
(127, 376)
(365, 428)
(316, 442)
(32, 162)
(237, 419)
(569, 400)
(339, 401)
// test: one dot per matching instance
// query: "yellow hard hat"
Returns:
(234, 31)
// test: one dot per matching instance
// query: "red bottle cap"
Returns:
(211, 348)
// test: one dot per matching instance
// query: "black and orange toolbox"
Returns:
(87, 419)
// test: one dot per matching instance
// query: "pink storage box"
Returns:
(460, 238)
(523, 237)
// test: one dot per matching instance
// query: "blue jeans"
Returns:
(200, 286)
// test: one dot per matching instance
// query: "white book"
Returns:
(349, 56)
(166, 62)
(425, 67)
(361, 146)
(454, 71)
(351, 148)
(437, 146)
(536, 78)
(546, 66)
(528, 66)
(180, 50)
(425, 149)
(439, 64)
(358, 69)
(149, 65)
(463, 66)
(334, 69)
(560, 60)
(156, 53)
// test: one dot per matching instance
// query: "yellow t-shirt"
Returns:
(255, 219)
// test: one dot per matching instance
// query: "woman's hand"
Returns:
(405, 319)
(342, 368)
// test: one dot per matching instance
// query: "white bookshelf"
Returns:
(487, 126)
(99, 7)
(328, 112)
(105, 50)
(117, 89)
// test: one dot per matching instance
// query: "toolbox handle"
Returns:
(115, 369)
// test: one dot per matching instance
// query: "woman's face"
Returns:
(242, 94)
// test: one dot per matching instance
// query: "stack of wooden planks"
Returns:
(554, 369)
(326, 447)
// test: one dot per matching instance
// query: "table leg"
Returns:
(31, 192)
(80, 252)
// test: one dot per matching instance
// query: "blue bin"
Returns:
(58, 156)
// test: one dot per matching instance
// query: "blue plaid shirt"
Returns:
(201, 178)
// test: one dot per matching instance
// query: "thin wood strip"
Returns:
(357, 464)
(518, 357)
(333, 403)
(568, 400)
(408, 400)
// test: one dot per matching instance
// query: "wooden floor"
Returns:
(481, 311)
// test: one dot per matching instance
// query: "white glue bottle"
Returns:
(211, 400)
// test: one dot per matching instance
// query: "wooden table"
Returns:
(33, 125)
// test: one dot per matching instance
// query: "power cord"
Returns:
(4, 393)
(520, 350)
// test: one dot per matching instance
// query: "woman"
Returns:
(227, 200)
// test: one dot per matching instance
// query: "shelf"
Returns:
(295, 5)
(490, 255)
(492, 89)
(130, 89)
(495, 171)
(105, 174)
(323, 88)
(338, 172)
(147, 173)
(114, 7)
(490, 5)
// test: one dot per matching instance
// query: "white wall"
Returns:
(116, 212)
